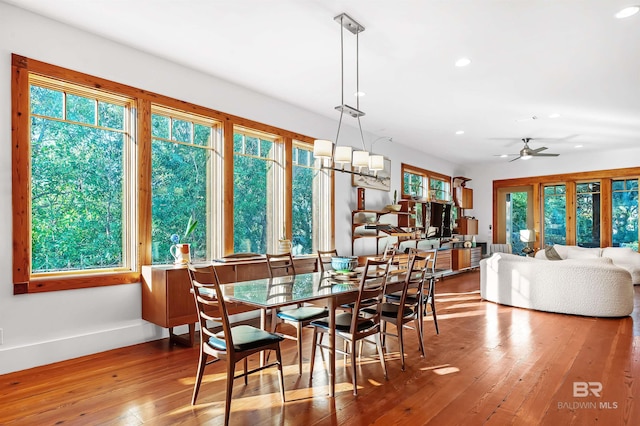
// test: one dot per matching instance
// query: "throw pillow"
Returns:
(551, 253)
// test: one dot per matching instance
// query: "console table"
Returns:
(166, 291)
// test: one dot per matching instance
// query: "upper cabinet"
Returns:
(462, 196)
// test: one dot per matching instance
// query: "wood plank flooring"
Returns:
(490, 364)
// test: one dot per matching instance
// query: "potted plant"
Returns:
(395, 207)
(181, 252)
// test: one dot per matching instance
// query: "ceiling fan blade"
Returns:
(545, 155)
(517, 158)
(540, 149)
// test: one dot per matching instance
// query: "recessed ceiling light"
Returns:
(578, 146)
(555, 115)
(627, 11)
(460, 132)
(359, 94)
(463, 62)
(533, 117)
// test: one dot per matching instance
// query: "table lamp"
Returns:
(527, 236)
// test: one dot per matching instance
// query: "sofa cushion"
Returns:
(626, 258)
(575, 252)
(551, 253)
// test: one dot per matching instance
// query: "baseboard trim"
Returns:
(22, 357)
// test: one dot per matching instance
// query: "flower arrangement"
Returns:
(191, 225)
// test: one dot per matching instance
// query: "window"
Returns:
(555, 214)
(440, 189)
(413, 185)
(588, 214)
(101, 179)
(624, 213)
(423, 184)
(183, 183)
(303, 200)
(258, 201)
(80, 202)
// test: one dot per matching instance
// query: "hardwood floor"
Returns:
(490, 364)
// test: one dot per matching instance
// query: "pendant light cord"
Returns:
(341, 77)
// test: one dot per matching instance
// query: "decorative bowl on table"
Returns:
(344, 263)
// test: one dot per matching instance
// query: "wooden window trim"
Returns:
(406, 168)
(21, 68)
(569, 179)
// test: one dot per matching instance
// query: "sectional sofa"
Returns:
(621, 256)
(593, 286)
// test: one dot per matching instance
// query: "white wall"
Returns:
(43, 328)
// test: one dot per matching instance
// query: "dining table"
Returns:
(318, 288)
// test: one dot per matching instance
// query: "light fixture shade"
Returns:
(322, 148)
(527, 235)
(526, 157)
(360, 159)
(376, 162)
(342, 154)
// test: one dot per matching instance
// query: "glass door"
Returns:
(514, 214)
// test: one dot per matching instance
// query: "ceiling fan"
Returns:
(526, 152)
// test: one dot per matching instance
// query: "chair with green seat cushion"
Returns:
(361, 322)
(427, 296)
(233, 343)
(408, 306)
(298, 316)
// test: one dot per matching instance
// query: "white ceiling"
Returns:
(529, 58)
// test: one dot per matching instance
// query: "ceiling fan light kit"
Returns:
(527, 153)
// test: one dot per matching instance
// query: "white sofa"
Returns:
(590, 287)
(622, 256)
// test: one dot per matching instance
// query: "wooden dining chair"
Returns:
(427, 296)
(280, 264)
(324, 259)
(233, 343)
(407, 307)
(429, 299)
(363, 321)
(299, 316)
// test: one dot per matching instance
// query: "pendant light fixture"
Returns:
(324, 149)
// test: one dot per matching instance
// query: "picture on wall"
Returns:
(381, 181)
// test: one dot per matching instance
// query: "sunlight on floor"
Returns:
(442, 370)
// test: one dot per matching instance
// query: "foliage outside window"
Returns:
(440, 189)
(588, 214)
(182, 182)
(80, 143)
(516, 219)
(257, 186)
(303, 200)
(101, 178)
(424, 184)
(555, 214)
(624, 213)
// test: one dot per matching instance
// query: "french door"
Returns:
(514, 213)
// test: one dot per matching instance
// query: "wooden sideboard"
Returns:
(166, 291)
(465, 258)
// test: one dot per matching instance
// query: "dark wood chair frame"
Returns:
(299, 317)
(211, 307)
(364, 320)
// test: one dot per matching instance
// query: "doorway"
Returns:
(514, 213)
